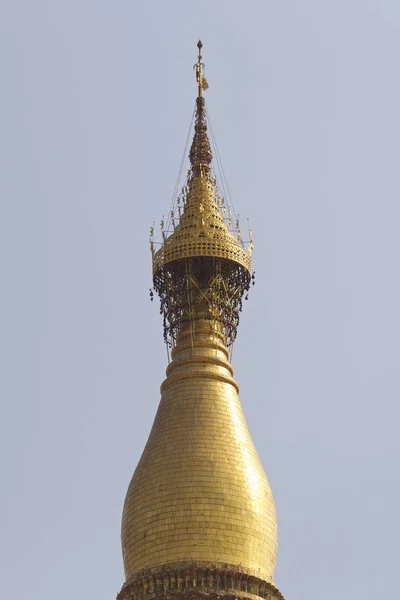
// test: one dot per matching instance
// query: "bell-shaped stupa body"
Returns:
(199, 516)
(199, 494)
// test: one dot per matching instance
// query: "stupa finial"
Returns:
(202, 269)
(199, 67)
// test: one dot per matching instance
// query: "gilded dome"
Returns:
(199, 493)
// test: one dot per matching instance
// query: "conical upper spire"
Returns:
(200, 151)
(199, 517)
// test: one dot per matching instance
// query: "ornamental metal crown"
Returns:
(202, 267)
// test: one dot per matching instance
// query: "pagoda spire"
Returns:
(199, 517)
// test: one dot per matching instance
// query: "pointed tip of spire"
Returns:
(199, 68)
(200, 152)
(199, 57)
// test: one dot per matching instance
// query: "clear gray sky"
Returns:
(96, 99)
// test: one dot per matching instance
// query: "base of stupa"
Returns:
(198, 582)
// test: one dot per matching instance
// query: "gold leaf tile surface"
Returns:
(199, 492)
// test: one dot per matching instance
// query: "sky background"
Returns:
(96, 99)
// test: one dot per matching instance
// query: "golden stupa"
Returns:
(199, 517)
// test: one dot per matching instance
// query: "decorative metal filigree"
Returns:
(201, 288)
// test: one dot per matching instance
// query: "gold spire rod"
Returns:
(199, 66)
